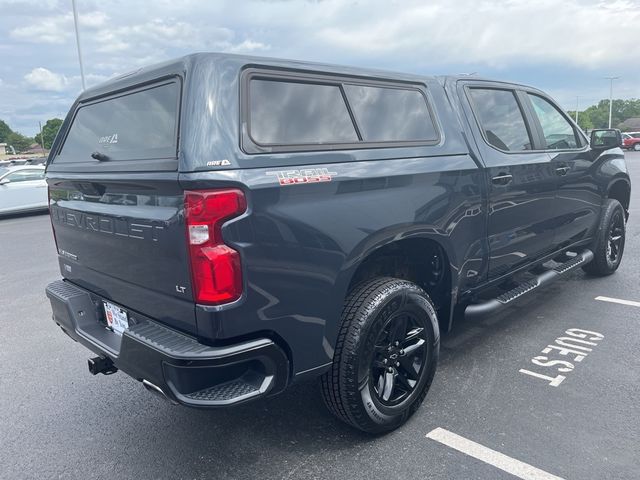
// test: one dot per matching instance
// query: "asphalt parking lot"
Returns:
(57, 421)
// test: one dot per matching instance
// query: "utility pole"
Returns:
(611, 79)
(41, 138)
(577, 99)
(75, 22)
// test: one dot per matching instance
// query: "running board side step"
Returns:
(494, 305)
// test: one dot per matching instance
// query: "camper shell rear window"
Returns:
(139, 124)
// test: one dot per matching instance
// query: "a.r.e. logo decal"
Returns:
(308, 175)
(113, 138)
(218, 163)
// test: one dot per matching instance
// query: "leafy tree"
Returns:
(19, 141)
(5, 131)
(597, 116)
(584, 122)
(49, 132)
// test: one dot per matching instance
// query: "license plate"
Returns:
(117, 318)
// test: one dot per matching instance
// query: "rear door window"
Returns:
(133, 126)
(390, 114)
(558, 132)
(290, 113)
(500, 119)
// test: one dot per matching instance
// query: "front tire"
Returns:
(385, 357)
(610, 240)
(636, 147)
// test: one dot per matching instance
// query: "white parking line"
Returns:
(618, 300)
(497, 459)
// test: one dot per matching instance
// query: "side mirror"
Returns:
(4, 181)
(604, 139)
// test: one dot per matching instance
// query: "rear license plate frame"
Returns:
(117, 317)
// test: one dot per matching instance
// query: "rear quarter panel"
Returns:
(300, 244)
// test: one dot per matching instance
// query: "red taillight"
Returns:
(215, 267)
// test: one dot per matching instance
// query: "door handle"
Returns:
(562, 171)
(502, 179)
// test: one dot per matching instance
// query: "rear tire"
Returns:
(385, 357)
(636, 147)
(609, 245)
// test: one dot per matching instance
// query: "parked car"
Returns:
(631, 143)
(228, 226)
(13, 162)
(22, 189)
(36, 161)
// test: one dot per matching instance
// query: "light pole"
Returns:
(577, 100)
(75, 22)
(611, 79)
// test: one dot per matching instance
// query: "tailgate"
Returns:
(117, 208)
(127, 246)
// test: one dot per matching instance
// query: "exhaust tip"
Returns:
(156, 390)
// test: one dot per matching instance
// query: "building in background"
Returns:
(630, 125)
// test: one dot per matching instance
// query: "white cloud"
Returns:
(43, 79)
(93, 19)
(156, 36)
(492, 33)
(94, 79)
(155, 33)
(248, 46)
(56, 29)
(48, 30)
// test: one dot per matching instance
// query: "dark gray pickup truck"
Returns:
(228, 225)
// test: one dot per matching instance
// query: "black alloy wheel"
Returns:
(608, 246)
(399, 356)
(616, 236)
(385, 356)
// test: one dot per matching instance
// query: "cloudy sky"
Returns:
(565, 47)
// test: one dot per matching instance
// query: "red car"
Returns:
(631, 143)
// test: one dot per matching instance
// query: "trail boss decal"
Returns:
(308, 175)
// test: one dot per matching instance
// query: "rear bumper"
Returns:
(184, 370)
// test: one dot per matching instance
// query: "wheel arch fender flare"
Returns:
(619, 187)
(374, 242)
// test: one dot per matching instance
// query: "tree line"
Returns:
(20, 142)
(597, 116)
